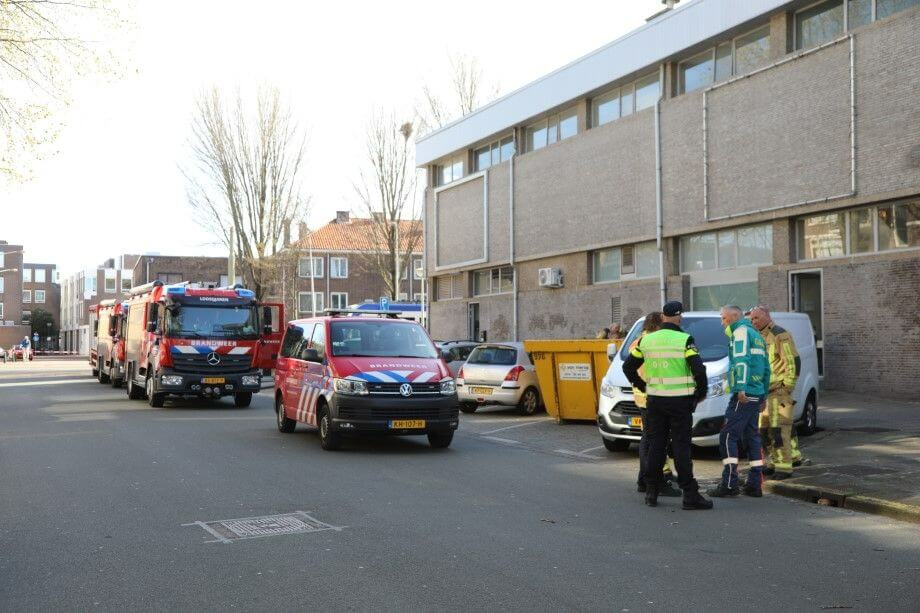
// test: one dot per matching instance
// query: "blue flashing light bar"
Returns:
(245, 293)
(176, 290)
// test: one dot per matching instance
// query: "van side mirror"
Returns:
(611, 351)
(309, 355)
(151, 326)
(445, 355)
(267, 316)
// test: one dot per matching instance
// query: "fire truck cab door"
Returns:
(270, 343)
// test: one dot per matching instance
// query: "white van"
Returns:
(619, 420)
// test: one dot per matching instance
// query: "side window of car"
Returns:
(464, 352)
(292, 336)
(319, 340)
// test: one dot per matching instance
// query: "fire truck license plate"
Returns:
(635, 422)
(213, 380)
(399, 424)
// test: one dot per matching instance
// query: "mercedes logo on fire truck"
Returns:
(405, 389)
(213, 358)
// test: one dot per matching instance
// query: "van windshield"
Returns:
(707, 332)
(380, 338)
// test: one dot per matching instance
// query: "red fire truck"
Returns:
(186, 341)
(108, 355)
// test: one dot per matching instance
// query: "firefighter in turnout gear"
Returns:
(675, 382)
(776, 420)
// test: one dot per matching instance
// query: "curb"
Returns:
(853, 502)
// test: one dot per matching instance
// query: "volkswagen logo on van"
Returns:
(213, 358)
(405, 389)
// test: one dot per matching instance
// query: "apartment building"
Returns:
(116, 276)
(763, 151)
(41, 292)
(12, 328)
(343, 266)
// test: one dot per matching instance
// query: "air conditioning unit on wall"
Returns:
(551, 277)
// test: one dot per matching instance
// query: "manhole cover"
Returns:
(229, 530)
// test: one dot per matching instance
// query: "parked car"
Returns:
(22, 353)
(455, 353)
(499, 374)
(348, 375)
(619, 420)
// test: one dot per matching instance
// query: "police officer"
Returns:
(676, 383)
(776, 420)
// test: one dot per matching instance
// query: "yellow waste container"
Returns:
(570, 374)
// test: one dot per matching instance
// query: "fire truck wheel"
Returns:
(242, 400)
(103, 376)
(285, 424)
(154, 400)
(135, 392)
(328, 439)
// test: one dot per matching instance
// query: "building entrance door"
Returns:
(807, 296)
(474, 321)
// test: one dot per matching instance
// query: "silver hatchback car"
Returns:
(499, 374)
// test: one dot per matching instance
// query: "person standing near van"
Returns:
(652, 323)
(676, 383)
(776, 419)
(748, 381)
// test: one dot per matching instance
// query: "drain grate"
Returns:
(229, 530)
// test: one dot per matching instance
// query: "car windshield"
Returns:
(707, 332)
(501, 356)
(380, 338)
(238, 322)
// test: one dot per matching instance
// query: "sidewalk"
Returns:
(865, 457)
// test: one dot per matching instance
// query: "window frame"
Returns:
(847, 232)
(338, 259)
(681, 85)
(594, 267)
(334, 295)
(551, 123)
(35, 275)
(322, 302)
(450, 162)
(26, 275)
(491, 272)
(493, 146)
(681, 264)
(39, 293)
(27, 296)
(316, 258)
(616, 93)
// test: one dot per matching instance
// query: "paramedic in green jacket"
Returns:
(749, 382)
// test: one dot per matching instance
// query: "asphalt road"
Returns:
(97, 493)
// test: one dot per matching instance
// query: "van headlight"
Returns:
(718, 385)
(350, 387)
(448, 386)
(607, 389)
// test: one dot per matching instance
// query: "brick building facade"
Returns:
(25, 288)
(758, 152)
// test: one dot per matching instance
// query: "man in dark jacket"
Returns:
(675, 382)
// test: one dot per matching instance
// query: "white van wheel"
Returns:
(809, 424)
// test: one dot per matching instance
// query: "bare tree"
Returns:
(44, 46)
(387, 194)
(466, 91)
(245, 181)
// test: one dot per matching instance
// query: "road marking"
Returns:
(86, 416)
(498, 439)
(576, 454)
(590, 449)
(529, 423)
(51, 434)
(64, 382)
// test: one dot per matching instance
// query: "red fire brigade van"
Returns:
(109, 351)
(185, 341)
(349, 374)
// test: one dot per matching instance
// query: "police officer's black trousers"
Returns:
(670, 418)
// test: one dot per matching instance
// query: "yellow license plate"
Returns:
(635, 422)
(481, 391)
(213, 380)
(404, 424)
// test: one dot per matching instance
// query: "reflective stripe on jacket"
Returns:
(749, 370)
(782, 355)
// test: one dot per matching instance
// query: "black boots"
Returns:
(723, 491)
(693, 501)
(651, 496)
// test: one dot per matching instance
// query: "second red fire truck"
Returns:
(108, 355)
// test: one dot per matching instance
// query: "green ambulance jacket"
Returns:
(749, 369)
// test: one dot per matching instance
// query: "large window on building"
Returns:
(449, 171)
(304, 270)
(127, 280)
(738, 56)
(338, 300)
(623, 101)
(884, 8)
(26, 275)
(305, 301)
(552, 129)
(865, 230)
(40, 296)
(714, 297)
(110, 275)
(40, 275)
(647, 260)
(449, 287)
(626, 262)
(493, 153)
(606, 265)
(338, 268)
(493, 281)
(26, 296)
(819, 24)
(734, 248)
